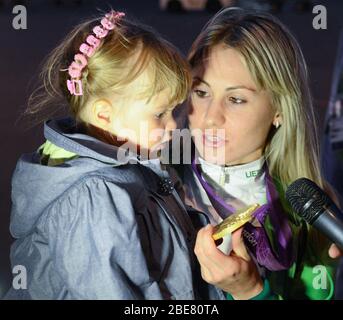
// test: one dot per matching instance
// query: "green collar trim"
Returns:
(53, 155)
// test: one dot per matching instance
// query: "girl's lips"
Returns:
(159, 146)
(213, 141)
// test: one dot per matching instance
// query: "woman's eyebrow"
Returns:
(240, 87)
(228, 88)
(198, 79)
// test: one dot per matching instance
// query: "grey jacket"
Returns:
(93, 227)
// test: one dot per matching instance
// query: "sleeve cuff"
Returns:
(265, 294)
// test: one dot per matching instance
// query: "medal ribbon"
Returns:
(280, 255)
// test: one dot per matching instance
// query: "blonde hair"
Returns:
(128, 51)
(277, 65)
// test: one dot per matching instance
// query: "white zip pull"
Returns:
(227, 175)
(224, 177)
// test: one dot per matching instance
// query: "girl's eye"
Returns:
(200, 93)
(160, 115)
(237, 100)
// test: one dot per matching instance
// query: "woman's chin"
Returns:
(214, 155)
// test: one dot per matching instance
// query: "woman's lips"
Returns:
(213, 141)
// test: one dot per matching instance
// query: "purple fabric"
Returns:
(256, 238)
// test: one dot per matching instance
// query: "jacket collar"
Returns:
(64, 133)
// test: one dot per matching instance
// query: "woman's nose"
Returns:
(215, 116)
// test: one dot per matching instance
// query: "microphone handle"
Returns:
(331, 226)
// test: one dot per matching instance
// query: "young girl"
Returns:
(92, 221)
(251, 100)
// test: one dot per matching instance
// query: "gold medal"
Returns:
(234, 222)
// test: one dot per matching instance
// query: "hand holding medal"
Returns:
(234, 222)
(234, 272)
(223, 230)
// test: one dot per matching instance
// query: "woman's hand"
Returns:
(335, 252)
(236, 274)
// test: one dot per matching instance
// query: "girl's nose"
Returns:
(170, 124)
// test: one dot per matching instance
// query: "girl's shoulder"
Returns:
(114, 179)
(95, 197)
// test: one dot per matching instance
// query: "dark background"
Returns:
(22, 51)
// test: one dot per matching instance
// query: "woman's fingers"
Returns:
(216, 267)
(206, 274)
(335, 252)
(205, 263)
(230, 273)
(207, 252)
(238, 245)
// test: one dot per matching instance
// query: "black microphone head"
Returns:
(306, 199)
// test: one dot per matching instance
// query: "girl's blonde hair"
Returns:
(126, 52)
(276, 63)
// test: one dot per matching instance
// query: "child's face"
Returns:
(224, 96)
(142, 122)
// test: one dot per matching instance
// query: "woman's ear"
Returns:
(277, 121)
(102, 113)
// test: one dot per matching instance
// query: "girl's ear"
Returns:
(102, 113)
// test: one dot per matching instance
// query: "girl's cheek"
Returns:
(195, 117)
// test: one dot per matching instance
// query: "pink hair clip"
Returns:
(87, 50)
(100, 32)
(75, 87)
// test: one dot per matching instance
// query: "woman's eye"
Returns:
(200, 93)
(236, 100)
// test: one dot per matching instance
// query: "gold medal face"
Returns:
(234, 222)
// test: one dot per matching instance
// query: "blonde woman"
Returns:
(251, 101)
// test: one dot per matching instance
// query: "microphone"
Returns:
(315, 207)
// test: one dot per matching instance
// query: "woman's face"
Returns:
(224, 96)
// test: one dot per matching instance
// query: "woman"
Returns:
(251, 101)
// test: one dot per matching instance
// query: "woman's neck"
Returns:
(242, 173)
